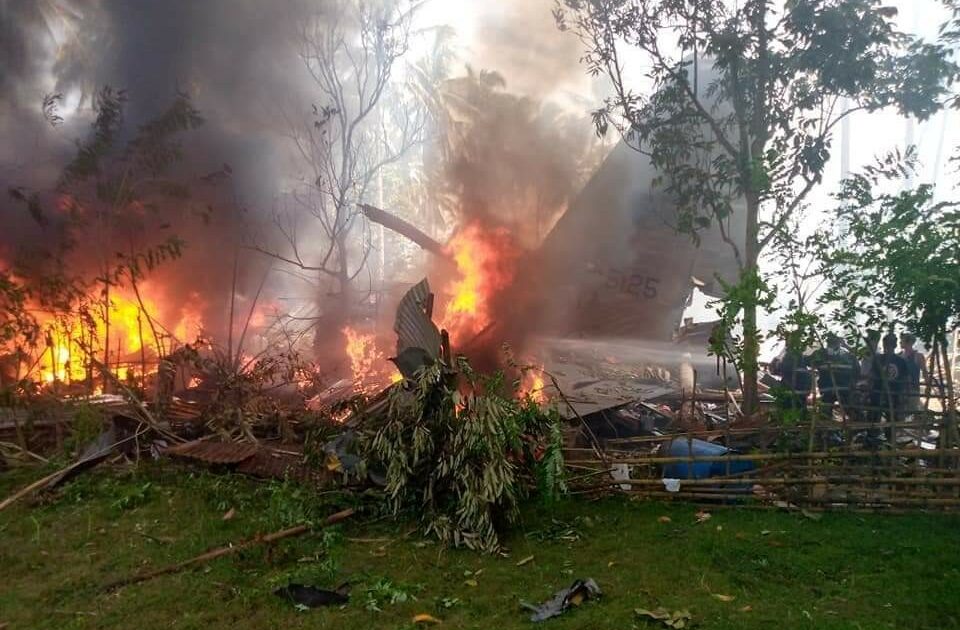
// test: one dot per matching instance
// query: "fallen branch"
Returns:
(403, 228)
(138, 407)
(36, 485)
(65, 473)
(19, 448)
(219, 552)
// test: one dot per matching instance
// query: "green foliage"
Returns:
(133, 497)
(318, 568)
(891, 254)
(753, 134)
(726, 339)
(109, 104)
(88, 423)
(270, 506)
(463, 461)
(18, 326)
(381, 592)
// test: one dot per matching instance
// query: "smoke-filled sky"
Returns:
(238, 61)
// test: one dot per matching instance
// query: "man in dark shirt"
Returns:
(836, 370)
(888, 380)
(861, 396)
(916, 372)
(796, 381)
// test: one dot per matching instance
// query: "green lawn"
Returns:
(782, 570)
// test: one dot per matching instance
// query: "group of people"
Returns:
(881, 383)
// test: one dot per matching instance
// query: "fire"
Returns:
(486, 264)
(72, 339)
(532, 385)
(190, 325)
(370, 368)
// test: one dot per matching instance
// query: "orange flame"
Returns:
(190, 325)
(531, 386)
(69, 338)
(486, 263)
(370, 368)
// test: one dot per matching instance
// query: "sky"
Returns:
(519, 39)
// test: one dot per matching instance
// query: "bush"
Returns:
(462, 455)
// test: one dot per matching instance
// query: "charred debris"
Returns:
(229, 419)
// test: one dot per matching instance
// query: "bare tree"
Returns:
(351, 51)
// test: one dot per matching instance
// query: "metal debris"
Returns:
(313, 597)
(414, 326)
(214, 452)
(576, 594)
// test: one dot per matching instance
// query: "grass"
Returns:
(782, 570)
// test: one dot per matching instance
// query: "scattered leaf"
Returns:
(676, 619)
(526, 560)
(611, 563)
(664, 519)
(746, 608)
(471, 583)
(813, 516)
(333, 462)
(229, 514)
(703, 517)
(724, 598)
(425, 618)
(658, 614)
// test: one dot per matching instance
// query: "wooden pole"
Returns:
(219, 552)
(759, 457)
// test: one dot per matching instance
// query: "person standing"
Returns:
(862, 399)
(795, 379)
(916, 372)
(888, 381)
(836, 374)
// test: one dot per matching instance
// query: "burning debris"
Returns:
(370, 369)
(486, 261)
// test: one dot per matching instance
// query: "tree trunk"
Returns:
(751, 337)
(337, 306)
(949, 429)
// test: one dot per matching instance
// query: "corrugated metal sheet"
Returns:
(269, 464)
(182, 410)
(214, 452)
(413, 325)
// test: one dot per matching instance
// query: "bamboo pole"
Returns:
(741, 431)
(757, 457)
(896, 501)
(780, 481)
(219, 552)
